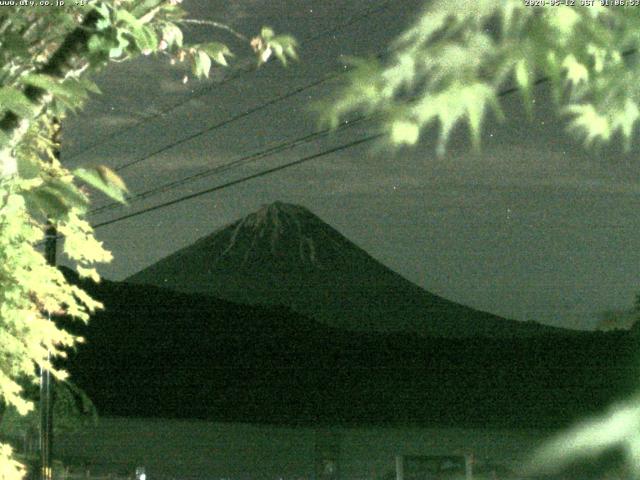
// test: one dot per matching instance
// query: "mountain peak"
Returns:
(276, 213)
(277, 234)
(283, 254)
(282, 207)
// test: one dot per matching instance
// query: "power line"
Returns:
(281, 147)
(202, 92)
(280, 167)
(230, 120)
(276, 169)
(243, 179)
(155, 115)
(223, 123)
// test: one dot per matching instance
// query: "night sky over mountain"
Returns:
(534, 227)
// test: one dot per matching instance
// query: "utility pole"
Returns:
(46, 400)
(46, 403)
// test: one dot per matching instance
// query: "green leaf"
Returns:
(522, 74)
(89, 86)
(116, 52)
(284, 46)
(14, 100)
(279, 52)
(91, 273)
(55, 198)
(625, 120)
(173, 35)
(4, 138)
(217, 51)
(103, 24)
(553, 70)
(126, 17)
(105, 180)
(98, 44)
(144, 7)
(564, 21)
(122, 42)
(267, 33)
(576, 71)
(201, 64)
(404, 132)
(45, 82)
(68, 193)
(589, 123)
(70, 92)
(47, 201)
(28, 168)
(145, 38)
(173, 13)
(103, 9)
(13, 43)
(523, 79)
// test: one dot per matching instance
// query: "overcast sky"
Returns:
(533, 227)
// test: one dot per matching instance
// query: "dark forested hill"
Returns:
(158, 353)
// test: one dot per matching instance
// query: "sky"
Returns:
(533, 227)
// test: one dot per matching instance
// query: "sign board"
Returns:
(433, 467)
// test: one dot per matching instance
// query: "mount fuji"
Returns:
(283, 254)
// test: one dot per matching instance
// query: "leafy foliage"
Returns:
(103, 179)
(268, 43)
(451, 65)
(617, 429)
(72, 409)
(9, 468)
(46, 58)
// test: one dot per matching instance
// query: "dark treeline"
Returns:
(157, 353)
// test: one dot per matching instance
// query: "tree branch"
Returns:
(60, 62)
(211, 23)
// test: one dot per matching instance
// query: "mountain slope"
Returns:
(285, 255)
(153, 352)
